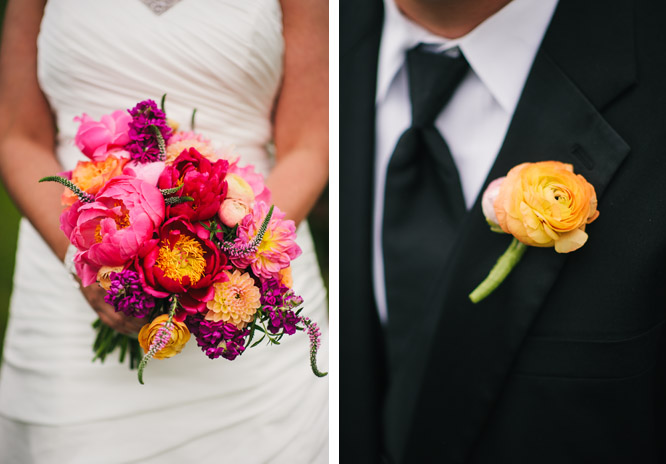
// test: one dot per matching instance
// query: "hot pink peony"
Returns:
(278, 247)
(111, 230)
(96, 138)
(149, 172)
(202, 180)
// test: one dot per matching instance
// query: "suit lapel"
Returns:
(362, 379)
(462, 356)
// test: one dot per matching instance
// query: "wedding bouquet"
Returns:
(181, 236)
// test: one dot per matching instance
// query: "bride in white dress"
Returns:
(256, 71)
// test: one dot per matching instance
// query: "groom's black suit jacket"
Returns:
(566, 361)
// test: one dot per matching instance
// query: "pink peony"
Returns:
(278, 247)
(111, 230)
(96, 138)
(149, 172)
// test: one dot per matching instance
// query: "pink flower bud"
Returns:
(488, 203)
(233, 211)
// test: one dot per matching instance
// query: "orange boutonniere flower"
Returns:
(541, 204)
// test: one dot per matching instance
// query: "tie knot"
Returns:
(433, 77)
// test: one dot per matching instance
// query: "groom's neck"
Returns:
(450, 18)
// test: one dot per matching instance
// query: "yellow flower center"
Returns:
(185, 258)
(267, 243)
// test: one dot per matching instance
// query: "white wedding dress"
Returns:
(224, 58)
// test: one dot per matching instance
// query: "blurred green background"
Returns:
(9, 223)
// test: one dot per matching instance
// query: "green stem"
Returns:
(498, 273)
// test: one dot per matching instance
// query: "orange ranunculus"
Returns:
(180, 335)
(545, 204)
(90, 176)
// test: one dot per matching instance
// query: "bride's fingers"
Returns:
(108, 315)
(118, 321)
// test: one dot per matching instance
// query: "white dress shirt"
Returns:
(500, 52)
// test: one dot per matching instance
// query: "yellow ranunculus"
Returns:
(180, 335)
(545, 204)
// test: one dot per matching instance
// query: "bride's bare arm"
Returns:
(27, 130)
(301, 113)
(27, 138)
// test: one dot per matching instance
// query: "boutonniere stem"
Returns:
(500, 271)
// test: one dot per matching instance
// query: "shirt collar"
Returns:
(500, 50)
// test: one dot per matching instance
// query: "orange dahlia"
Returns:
(236, 300)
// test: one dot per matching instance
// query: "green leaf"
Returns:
(177, 200)
(170, 191)
(123, 349)
(194, 112)
(83, 196)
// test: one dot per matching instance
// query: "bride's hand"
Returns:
(117, 321)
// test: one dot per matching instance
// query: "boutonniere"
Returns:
(541, 204)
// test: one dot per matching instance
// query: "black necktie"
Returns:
(423, 202)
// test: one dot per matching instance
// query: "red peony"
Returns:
(183, 263)
(201, 179)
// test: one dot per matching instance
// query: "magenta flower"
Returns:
(143, 143)
(111, 230)
(217, 338)
(96, 138)
(201, 179)
(126, 294)
(278, 247)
